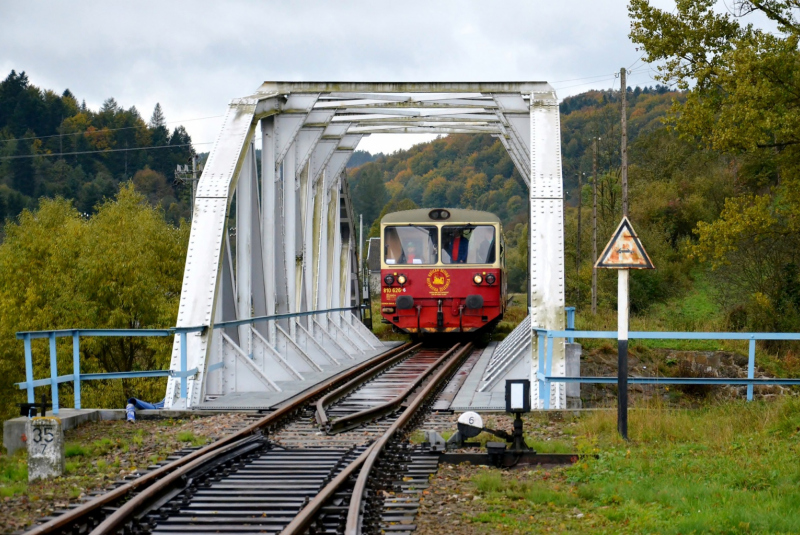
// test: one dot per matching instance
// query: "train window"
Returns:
(468, 245)
(410, 245)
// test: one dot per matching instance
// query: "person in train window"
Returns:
(485, 252)
(411, 254)
(458, 247)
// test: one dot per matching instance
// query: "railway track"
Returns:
(333, 460)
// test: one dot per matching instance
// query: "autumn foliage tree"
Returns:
(52, 145)
(120, 268)
(743, 101)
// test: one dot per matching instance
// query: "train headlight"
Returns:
(401, 279)
(389, 280)
(490, 279)
(477, 279)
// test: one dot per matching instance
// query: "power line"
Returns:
(48, 155)
(637, 61)
(583, 84)
(108, 130)
(600, 78)
(606, 75)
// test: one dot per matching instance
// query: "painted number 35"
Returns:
(42, 439)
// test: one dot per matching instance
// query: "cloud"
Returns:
(193, 57)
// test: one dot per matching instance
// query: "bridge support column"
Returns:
(546, 244)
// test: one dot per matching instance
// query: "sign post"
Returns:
(623, 253)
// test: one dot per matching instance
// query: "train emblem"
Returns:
(438, 280)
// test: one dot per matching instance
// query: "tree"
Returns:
(120, 268)
(745, 102)
(745, 81)
(159, 160)
(23, 179)
(152, 184)
(369, 193)
(157, 120)
(395, 205)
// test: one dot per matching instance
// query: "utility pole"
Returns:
(580, 203)
(578, 244)
(624, 89)
(182, 175)
(194, 183)
(360, 241)
(594, 227)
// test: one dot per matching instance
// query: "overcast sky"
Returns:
(193, 57)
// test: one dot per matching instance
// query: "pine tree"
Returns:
(158, 120)
(22, 169)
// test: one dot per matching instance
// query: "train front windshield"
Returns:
(410, 245)
(468, 244)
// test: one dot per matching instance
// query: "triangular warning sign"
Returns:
(624, 251)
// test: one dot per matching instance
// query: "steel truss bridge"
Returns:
(294, 245)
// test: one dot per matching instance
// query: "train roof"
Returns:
(457, 215)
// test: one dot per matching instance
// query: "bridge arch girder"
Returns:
(292, 245)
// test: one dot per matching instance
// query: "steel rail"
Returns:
(306, 516)
(351, 420)
(353, 526)
(176, 469)
(332, 397)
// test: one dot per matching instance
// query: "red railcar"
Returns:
(442, 270)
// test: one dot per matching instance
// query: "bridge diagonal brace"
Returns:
(297, 349)
(243, 358)
(277, 356)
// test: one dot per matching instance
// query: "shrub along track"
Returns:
(284, 473)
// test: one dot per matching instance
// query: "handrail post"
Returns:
(540, 373)
(570, 322)
(751, 365)
(183, 365)
(53, 373)
(76, 366)
(548, 368)
(29, 367)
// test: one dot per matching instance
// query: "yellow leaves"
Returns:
(748, 217)
(742, 82)
(121, 268)
(99, 139)
(77, 123)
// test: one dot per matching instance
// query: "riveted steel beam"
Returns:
(403, 87)
(294, 239)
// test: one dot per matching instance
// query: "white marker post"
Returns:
(624, 252)
(45, 447)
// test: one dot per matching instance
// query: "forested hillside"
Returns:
(475, 171)
(53, 145)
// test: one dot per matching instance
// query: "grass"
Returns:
(76, 450)
(383, 330)
(729, 468)
(515, 313)
(102, 446)
(188, 436)
(550, 446)
(13, 474)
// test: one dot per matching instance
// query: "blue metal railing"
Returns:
(545, 348)
(76, 376)
(570, 322)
